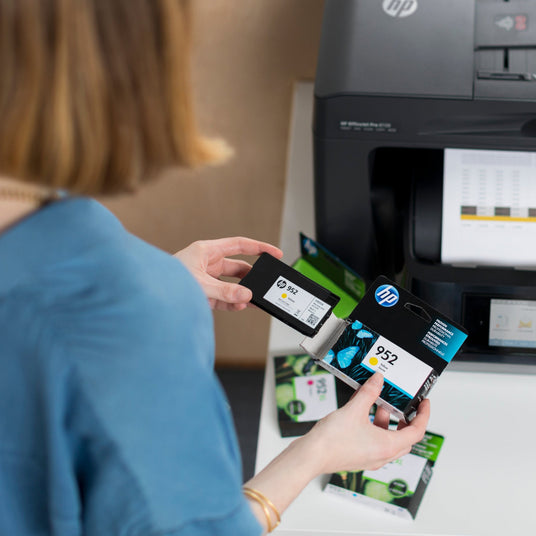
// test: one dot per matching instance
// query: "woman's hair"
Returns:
(95, 95)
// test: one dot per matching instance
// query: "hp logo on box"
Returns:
(400, 8)
(387, 295)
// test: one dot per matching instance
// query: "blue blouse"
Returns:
(112, 421)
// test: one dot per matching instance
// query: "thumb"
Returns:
(229, 292)
(369, 392)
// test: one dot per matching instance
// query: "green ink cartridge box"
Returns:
(320, 265)
(398, 487)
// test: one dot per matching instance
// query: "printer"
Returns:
(425, 144)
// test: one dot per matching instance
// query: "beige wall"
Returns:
(247, 55)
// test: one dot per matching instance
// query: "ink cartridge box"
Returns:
(305, 393)
(398, 487)
(389, 330)
(319, 264)
(395, 333)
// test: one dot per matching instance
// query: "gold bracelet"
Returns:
(265, 504)
(254, 497)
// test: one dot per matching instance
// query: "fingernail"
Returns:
(243, 295)
(377, 379)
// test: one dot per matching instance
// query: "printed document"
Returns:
(489, 208)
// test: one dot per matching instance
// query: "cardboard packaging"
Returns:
(305, 393)
(393, 332)
(398, 487)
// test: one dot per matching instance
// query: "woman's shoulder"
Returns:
(92, 283)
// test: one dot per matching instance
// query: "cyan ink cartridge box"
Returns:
(395, 333)
(396, 488)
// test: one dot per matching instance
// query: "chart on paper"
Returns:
(489, 208)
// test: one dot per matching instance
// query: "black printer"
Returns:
(399, 83)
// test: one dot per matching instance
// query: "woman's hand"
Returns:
(207, 261)
(351, 442)
(345, 440)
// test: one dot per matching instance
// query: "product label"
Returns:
(429, 446)
(401, 476)
(297, 302)
(314, 397)
(360, 352)
(398, 367)
(443, 339)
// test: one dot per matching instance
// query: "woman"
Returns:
(111, 419)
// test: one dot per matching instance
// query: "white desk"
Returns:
(485, 478)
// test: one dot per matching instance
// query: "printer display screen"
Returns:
(501, 326)
(512, 323)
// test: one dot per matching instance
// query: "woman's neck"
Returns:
(18, 200)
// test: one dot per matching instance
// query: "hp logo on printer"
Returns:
(400, 8)
(387, 295)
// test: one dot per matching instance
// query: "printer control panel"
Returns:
(505, 49)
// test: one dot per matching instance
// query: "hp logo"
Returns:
(386, 295)
(310, 247)
(400, 8)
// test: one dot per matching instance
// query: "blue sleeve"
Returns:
(153, 440)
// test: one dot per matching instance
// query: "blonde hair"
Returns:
(95, 95)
